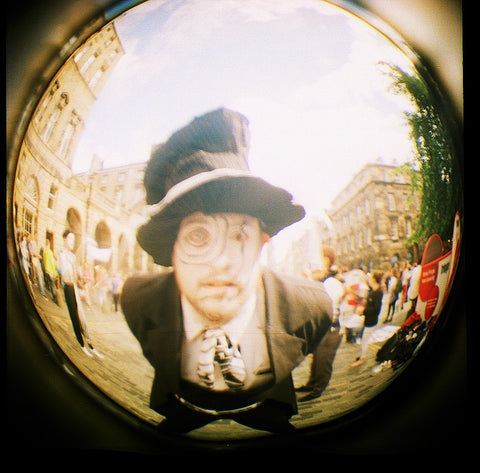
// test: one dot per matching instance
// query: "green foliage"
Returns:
(434, 169)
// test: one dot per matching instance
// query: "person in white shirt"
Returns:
(69, 276)
(222, 333)
(321, 368)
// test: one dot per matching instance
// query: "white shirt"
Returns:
(246, 329)
(336, 290)
(414, 282)
(66, 264)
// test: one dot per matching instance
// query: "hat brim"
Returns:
(245, 194)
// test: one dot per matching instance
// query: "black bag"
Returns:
(400, 347)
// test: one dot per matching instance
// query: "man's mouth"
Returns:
(218, 283)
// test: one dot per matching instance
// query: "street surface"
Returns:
(125, 376)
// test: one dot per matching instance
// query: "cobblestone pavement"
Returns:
(125, 376)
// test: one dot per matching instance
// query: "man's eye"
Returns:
(198, 237)
(239, 235)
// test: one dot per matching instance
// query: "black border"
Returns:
(425, 411)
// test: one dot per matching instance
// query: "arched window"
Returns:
(52, 197)
(31, 191)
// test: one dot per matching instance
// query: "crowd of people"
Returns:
(359, 300)
(359, 297)
(97, 287)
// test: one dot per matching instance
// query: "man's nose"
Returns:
(228, 258)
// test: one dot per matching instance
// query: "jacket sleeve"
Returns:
(136, 290)
(144, 303)
(316, 315)
(304, 307)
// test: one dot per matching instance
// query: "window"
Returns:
(47, 132)
(52, 196)
(390, 202)
(31, 191)
(46, 101)
(87, 64)
(394, 228)
(68, 133)
(95, 78)
(408, 227)
(27, 222)
(368, 236)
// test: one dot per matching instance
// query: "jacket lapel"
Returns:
(167, 341)
(286, 350)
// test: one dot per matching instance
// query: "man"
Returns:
(321, 368)
(222, 333)
(37, 265)
(51, 270)
(69, 276)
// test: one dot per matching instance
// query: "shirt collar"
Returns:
(194, 324)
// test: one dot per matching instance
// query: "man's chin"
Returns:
(219, 311)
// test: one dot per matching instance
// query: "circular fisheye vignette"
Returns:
(434, 297)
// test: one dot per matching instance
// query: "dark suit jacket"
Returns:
(298, 314)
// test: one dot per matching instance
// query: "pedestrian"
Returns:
(371, 312)
(356, 288)
(25, 254)
(101, 288)
(50, 270)
(116, 288)
(413, 288)
(321, 367)
(222, 333)
(394, 287)
(405, 277)
(69, 276)
(37, 270)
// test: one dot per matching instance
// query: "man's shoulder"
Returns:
(141, 283)
(143, 293)
(295, 287)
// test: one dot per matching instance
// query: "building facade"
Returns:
(101, 207)
(368, 223)
(372, 218)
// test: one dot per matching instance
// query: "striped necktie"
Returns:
(217, 348)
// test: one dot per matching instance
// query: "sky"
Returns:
(304, 72)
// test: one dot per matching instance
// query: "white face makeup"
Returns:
(216, 262)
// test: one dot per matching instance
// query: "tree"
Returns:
(435, 169)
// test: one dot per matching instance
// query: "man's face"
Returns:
(215, 258)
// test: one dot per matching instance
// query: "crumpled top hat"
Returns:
(203, 167)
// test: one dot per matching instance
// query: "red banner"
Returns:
(437, 274)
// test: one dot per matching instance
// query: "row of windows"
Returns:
(365, 238)
(32, 193)
(48, 124)
(364, 209)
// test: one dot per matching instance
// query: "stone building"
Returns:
(47, 196)
(371, 219)
(114, 208)
(368, 223)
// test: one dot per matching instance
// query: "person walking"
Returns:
(50, 270)
(394, 287)
(69, 275)
(371, 312)
(116, 288)
(323, 358)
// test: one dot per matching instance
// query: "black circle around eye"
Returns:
(198, 237)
